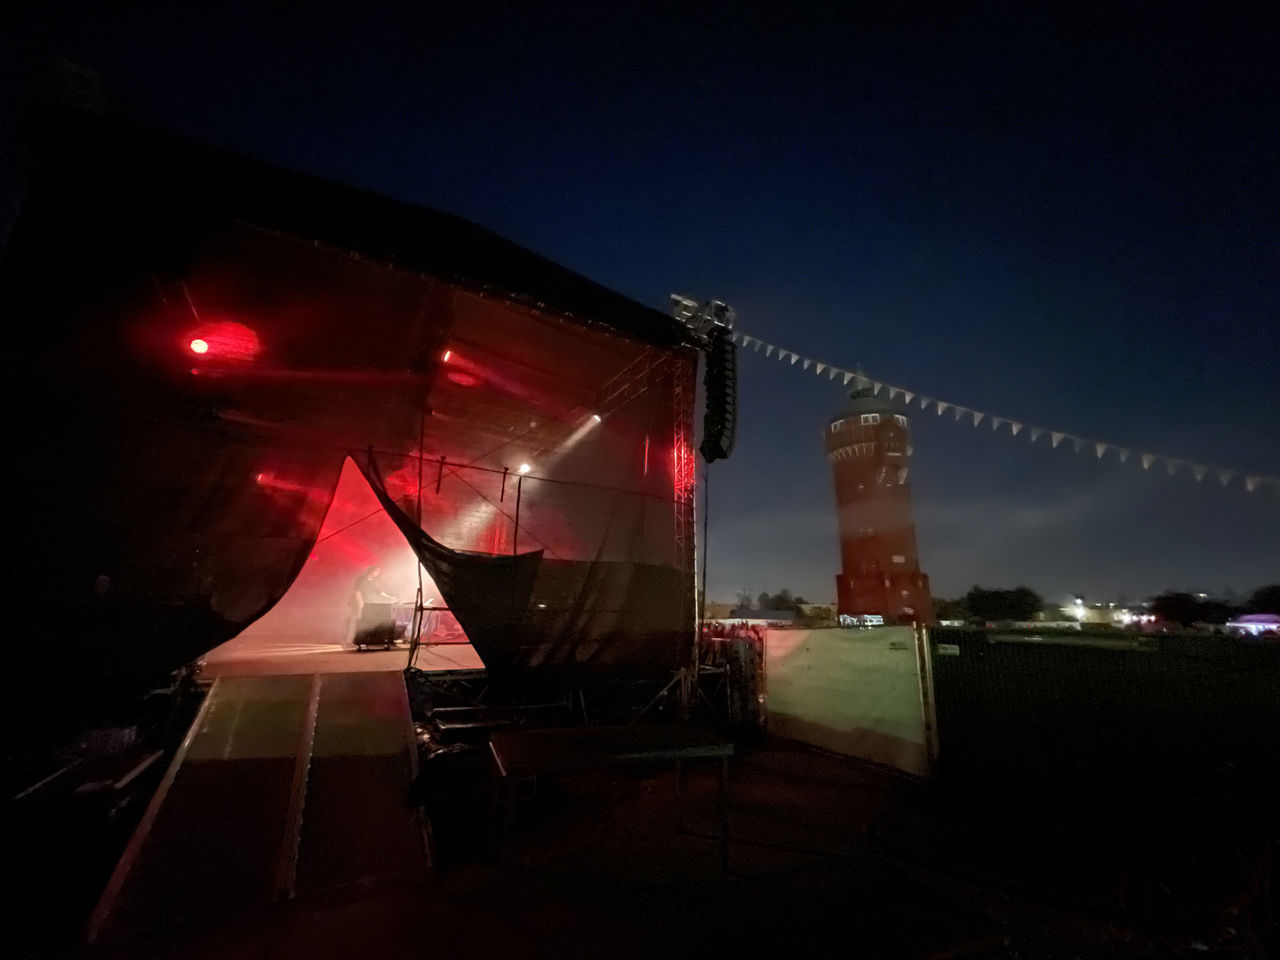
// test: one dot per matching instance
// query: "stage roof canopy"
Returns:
(162, 169)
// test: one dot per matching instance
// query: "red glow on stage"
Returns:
(463, 379)
(683, 470)
(447, 355)
(226, 340)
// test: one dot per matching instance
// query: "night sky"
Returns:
(1071, 222)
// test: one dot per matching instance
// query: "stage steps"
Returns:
(285, 786)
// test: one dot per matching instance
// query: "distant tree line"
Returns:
(782, 600)
(980, 604)
(785, 600)
(1185, 609)
(1023, 603)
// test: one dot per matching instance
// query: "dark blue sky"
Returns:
(1074, 222)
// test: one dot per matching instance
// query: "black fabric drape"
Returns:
(539, 622)
(488, 594)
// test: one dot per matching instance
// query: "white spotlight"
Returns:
(524, 468)
(596, 417)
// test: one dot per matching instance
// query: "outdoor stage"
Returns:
(254, 657)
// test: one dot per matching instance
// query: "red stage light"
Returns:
(226, 341)
(447, 355)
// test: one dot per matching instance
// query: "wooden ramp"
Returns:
(285, 786)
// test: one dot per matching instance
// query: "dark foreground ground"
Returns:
(830, 859)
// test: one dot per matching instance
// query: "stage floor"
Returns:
(261, 656)
(285, 786)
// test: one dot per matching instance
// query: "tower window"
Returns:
(900, 418)
(837, 425)
(899, 558)
(871, 418)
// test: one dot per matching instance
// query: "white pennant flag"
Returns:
(1171, 466)
(977, 417)
(924, 403)
(759, 344)
(847, 377)
(794, 358)
(818, 368)
(1015, 426)
(959, 411)
(1224, 476)
(893, 393)
(875, 387)
(1124, 453)
(1198, 471)
(831, 374)
(1056, 438)
(1251, 483)
(995, 422)
(1078, 443)
(908, 396)
(768, 350)
(942, 407)
(807, 363)
(1147, 460)
(1101, 448)
(1035, 433)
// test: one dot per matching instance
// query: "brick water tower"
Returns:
(869, 446)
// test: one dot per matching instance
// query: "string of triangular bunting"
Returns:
(1172, 465)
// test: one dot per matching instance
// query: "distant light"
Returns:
(524, 468)
(596, 417)
(447, 355)
(199, 346)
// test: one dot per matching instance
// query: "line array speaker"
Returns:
(720, 386)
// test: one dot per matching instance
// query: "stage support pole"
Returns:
(515, 536)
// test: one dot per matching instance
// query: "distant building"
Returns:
(764, 618)
(1108, 614)
(711, 610)
(869, 446)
